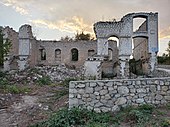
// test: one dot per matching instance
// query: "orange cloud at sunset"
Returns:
(72, 25)
(165, 33)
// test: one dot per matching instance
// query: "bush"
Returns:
(66, 82)
(78, 117)
(141, 114)
(45, 80)
(15, 89)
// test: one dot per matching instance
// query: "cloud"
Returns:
(165, 33)
(15, 4)
(71, 25)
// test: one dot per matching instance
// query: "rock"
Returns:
(97, 110)
(71, 95)
(153, 88)
(81, 91)
(115, 108)
(140, 100)
(73, 102)
(89, 90)
(164, 88)
(103, 92)
(72, 90)
(93, 84)
(98, 104)
(107, 97)
(96, 93)
(123, 90)
(105, 109)
(81, 86)
(110, 88)
(167, 98)
(158, 97)
(141, 90)
(121, 101)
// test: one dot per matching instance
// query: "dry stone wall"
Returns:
(111, 95)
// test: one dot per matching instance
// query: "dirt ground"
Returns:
(22, 110)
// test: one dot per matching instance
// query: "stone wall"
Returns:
(111, 95)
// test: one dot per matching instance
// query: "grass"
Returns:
(141, 116)
(77, 117)
(45, 80)
(7, 87)
(15, 89)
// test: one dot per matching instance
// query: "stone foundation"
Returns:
(111, 95)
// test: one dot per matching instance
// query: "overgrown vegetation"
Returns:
(136, 67)
(65, 83)
(77, 117)
(7, 87)
(5, 46)
(142, 116)
(44, 80)
(165, 58)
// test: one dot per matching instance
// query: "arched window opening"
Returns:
(42, 54)
(91, 52)
(110, 54)
(58, 55)
(139, 24)
(74, 54)
(115, 40)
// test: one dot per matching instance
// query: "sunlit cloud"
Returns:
(72, 25)
(165, 33)
(16, 5)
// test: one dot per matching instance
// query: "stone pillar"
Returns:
(25, 36)
(152, 62)
(6, 63)
(102, 47)
(23, 62)
(125, 50)
(92, 68)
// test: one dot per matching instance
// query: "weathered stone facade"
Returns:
(123, 30)
(26, 51)
(111, 95)
(97, 57)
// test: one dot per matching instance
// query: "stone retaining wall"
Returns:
(111, 95)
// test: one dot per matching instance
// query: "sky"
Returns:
(53, 19)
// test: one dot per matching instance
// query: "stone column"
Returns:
(152, 62)
(102, 47)
(125, 50)
(92, 68)
(6, 63)
(25, 36)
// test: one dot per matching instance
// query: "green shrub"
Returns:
(15, 89)
(78, 117)
(66, 82)
(165, 123)
(3, 82)
(2, 74)
(45, 80)
(141, 114)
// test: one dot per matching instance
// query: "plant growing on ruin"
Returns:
(45, 80)
(83, 36)
(4, 47)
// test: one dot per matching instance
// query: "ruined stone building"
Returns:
(26, 51)
(145, 41)
(97, 57)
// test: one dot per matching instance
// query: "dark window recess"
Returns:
(74, 53)
(43, 54)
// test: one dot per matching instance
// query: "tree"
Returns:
(4, 47)
(66, 38)
(82, 36)
(168, 50)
